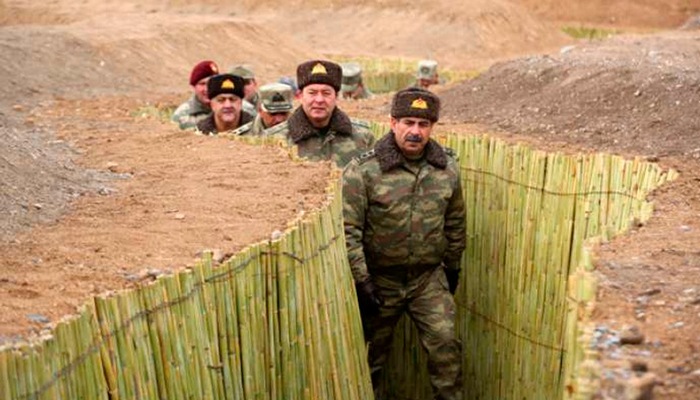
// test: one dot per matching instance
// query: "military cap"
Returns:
(352, 76)
(225, 83)
(427, 69)
(276, 98)
(417, 103)
(202, 70)
(319, 71)
(243, 70)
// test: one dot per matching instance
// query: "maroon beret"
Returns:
(203, 70)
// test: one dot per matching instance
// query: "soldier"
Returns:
(195, 109)
(319, 129)
(276, 103)
(251, 99)
(353, 87)
(226, 94)
(427, 74)
(404, 222)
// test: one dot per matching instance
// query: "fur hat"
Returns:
(319, 71)
(203, 70)
(225, 83)
(417, 103)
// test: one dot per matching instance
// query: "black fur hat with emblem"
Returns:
(225, 83)
(416, 103)
(319, 71)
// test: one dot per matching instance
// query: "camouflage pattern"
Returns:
(187, 114)
(345, 138)
(404, 222)
(259, 128)
(250, 108)
(400, 213)
(432, 308)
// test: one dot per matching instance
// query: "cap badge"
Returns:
(213, 68)
(319, 69)
(278, 97)
(419, 103)
(227, 84)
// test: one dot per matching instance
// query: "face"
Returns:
(226, 107)
(200, 90)
(250, 88)
(412, 134)
(272, 119)
(318, 102)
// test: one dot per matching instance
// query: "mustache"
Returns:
(414, 138)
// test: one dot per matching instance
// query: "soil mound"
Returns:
(631, 94)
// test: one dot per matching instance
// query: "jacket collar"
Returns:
(300, 128)
(389, 155)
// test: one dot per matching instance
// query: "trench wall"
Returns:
(279, 320)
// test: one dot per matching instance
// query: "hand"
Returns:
(368, 297)
(452, 276)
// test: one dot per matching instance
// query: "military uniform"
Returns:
(207, 126)
(274, 98)
(187, 114)
(404, 224)
(343, 138)
(352, 86)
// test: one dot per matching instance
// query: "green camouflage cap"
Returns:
(276, 98)
(242, 70)
(352, 76)
(427, 69)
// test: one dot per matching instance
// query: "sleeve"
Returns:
(455, 226)
(354, 208)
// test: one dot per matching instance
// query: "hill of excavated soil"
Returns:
(95, 197)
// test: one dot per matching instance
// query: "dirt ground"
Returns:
(100, 194)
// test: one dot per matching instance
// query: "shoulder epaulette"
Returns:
(243, 129)
(365, 156)
(277, 129)
(360, 123)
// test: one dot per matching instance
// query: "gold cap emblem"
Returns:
(227, 84)
(419, 103)
(319, 69)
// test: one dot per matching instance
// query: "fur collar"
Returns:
(208, 125)
(300, 128)
(389, 155)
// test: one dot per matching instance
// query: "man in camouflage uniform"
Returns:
(195, 109)
(427, 74)
(353, 87)
(276, 103)
(251, 99)
(319, 129)
(226, 93)
(405, 233)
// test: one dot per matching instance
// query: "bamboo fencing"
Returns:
(279, 320)
(526, 290)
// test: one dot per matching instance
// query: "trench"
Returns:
(280, 319)
(527, 288)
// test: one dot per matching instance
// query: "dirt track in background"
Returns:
(97, 198)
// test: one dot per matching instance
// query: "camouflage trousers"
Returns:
(424, 295)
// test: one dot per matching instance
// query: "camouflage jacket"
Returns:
(187, 114)
(258, 127)
(250, 108)
(207, 126)
(400, 213)
(345, 138)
